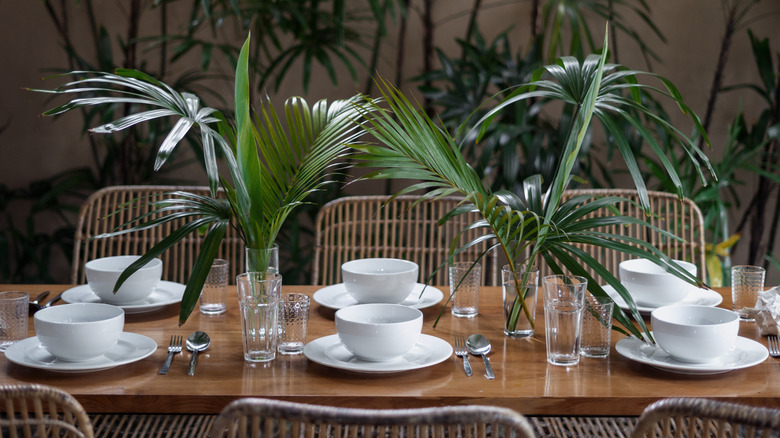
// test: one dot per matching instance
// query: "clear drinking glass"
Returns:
(596, 328)
(519, 320)
(293, 319)
(13, 317)
(213, 297)
(564, 297)
(258, 300)
(746, 282)
(465, 279)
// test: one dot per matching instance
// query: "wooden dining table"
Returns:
(615, 386)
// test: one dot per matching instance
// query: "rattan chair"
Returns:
(96, 217)
(255, 417)
(667, 212)
(41, 411)
(356, 227)
(687, 417)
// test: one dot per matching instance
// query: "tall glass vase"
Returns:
(519, 295)
(262, 259)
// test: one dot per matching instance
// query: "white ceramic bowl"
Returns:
(102, 274)
(378, 332)
(650, 285)
(379, 280)
(695, 334)
(79, 332)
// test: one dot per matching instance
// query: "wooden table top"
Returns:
(524, 381)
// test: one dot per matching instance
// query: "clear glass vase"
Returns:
(262, 259)
(519, 314)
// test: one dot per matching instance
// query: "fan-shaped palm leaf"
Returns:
(536, 223)
(274, 162)
(572, 81)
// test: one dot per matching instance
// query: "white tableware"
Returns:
(131, 347)
(336, 297)
(167, 292)
(329, 351)
(79, 332)
(695, 334)
(696, 296)
(378, 332)
(379, 280)
(746, 353)
(103, 273)
(651, 285)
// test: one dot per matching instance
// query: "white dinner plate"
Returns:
(130, 347)
(336, 297)
(167, 292)
(329, 351)
(746, 353)
(696, 296)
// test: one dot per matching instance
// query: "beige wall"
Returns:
(32, 147)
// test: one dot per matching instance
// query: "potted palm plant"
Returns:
(272, 162)
(537, 223)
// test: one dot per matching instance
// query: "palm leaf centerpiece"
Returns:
(537, 224)
(273, 163)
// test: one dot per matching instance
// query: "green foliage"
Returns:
(30, 250)
(564, 19)
(746, 154)
(274, 161)
(289, 34)
(523, 139)
(535, 222)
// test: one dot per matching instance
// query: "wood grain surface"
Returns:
(524, 381)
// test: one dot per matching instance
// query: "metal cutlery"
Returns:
(774, 345)
(479, 345)
(173, 348)
(54, 300)
(460, 351)
(196, 342)
(35, 304)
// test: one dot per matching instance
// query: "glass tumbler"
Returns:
(596, 328)
(293, 319)
(258, 300)
(465, 279)
(746, 282)
(14, 307)
(564, 297)
(213, 297)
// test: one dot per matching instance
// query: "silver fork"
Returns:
(174, 347)
(460, 351)
(774, 346)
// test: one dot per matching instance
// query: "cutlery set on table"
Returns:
(477, 345)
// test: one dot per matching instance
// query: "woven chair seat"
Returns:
(41, 411)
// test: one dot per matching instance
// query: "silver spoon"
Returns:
(35, 305)
(196, 342)
(479, 345)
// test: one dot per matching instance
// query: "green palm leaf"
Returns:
(274, 161)
(532, 223)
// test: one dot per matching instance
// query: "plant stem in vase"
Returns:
(519, 295)
(262, 259)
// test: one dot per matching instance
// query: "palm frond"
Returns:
(534, 222)
(274, 161)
